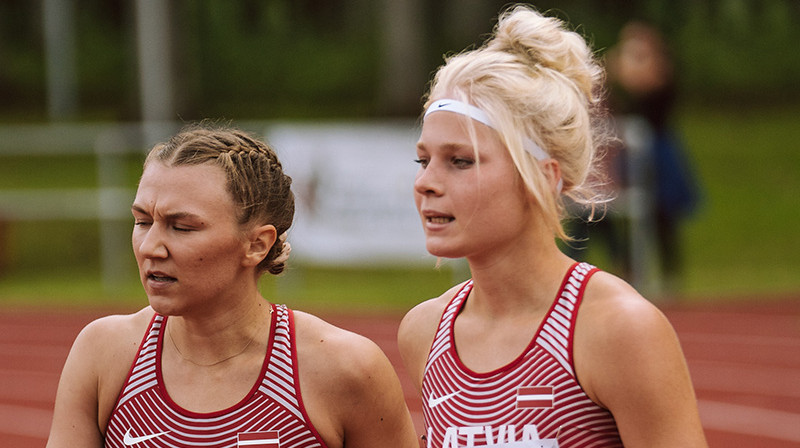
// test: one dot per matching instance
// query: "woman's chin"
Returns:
(442, 251)
(162, 305)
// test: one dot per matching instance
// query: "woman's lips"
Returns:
(160, 277)
(440, 219)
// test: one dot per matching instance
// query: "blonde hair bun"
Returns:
(546, 44)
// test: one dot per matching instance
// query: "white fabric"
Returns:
(479, 115)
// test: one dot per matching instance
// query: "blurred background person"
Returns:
(642, 81)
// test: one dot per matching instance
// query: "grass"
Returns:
(742, 241)
(366, 289)
(317, 288)
(63, 171)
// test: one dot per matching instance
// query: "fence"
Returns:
(352, 181)
(108, 202)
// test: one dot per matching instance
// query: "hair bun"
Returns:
(545, 43)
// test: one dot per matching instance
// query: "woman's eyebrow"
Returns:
(168, 216)
(449, 147)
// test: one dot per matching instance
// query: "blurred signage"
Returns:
(353, 184)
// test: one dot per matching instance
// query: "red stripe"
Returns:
(258, 439)
(535, 390)
(535, 397)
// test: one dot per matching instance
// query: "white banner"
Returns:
(353, 184)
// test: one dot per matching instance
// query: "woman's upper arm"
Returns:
(92, 377)
(630, 361)
(377, 414)
(75, 416)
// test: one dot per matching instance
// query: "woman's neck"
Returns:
(526, 277)
(214, 334)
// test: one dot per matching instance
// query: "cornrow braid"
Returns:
(254, 176)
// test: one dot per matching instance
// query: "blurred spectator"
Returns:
(642, 82)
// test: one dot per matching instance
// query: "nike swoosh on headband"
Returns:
(477, 114)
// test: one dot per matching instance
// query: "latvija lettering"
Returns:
(478, 436)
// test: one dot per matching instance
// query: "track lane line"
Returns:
(25, 421)
(748, 420)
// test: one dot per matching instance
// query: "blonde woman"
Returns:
(535, 350)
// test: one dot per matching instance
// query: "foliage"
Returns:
(289, 59)
(249, 59)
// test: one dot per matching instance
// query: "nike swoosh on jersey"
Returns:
(129, 440)
(433, 402)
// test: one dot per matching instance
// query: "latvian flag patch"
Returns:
(260, 439)
(529, 397)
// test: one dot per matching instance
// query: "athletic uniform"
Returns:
(271, 415)
(535, 401)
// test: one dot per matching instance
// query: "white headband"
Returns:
(478, 115)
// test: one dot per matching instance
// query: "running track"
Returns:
(744, 359)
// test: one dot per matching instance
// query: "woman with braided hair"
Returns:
(210, 362)
(535, 350)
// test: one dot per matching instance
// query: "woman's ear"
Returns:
(259, 242)
(552, 170)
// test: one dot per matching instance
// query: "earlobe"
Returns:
(260, 241)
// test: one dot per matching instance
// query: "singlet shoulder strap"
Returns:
(443, 339)
(143, 370)
(558, 328)
(281, 380)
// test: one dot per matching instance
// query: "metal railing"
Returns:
(108, 202)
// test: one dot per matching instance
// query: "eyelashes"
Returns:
(457, 162)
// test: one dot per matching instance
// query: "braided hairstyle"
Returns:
(536, 79)
(255, 178)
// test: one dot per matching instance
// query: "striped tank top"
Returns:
(270, 416)
(534, 401)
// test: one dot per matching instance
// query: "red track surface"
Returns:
(744, 360)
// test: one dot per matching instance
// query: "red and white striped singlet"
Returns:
(535, 401)
(271, 415)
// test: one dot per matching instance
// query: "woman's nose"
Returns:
(151, 242)
(428, 180)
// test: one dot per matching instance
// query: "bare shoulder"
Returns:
(111, 342)
(626, 355)
(107, 338)
(117, 327)
(417, 330)
(616, 326)
(613, 310)
(93, 376)
(342, 353)
(328, 343)
(421, 321)
(108, 347)
(349, 387)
